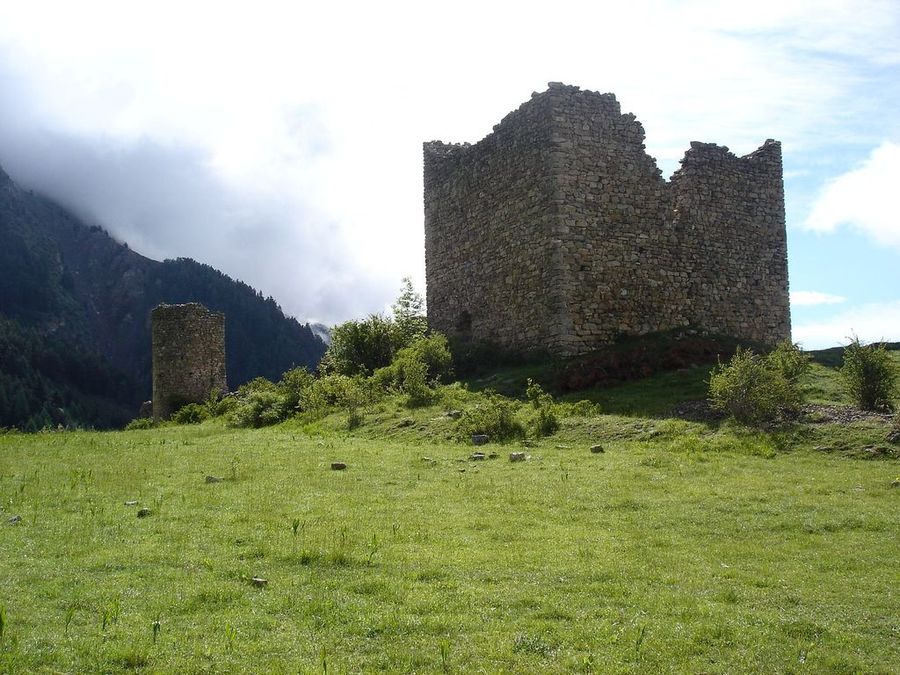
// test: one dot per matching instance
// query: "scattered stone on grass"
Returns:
(405, 422)
(338, 466)
(480, 439)
(131, 502)
(144, 512)
(454, 414)
(517, 457)
(563, 447)
(597, 449)
(477, 456)
(895, 482)
(259, 582)
(493, 455)
(894, 436)
(214, 479)
(15, 520)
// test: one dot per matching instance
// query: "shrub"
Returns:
(338, 391)
(416, 370)
(544, 421)
(140, 423)
(495, 416)
(192, 413)
(292, 385)
(360, 347)
(753, 389)
(258, 408)
(870, 375)
(218, 405)
(789, 360)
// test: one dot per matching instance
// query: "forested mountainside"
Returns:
(75, 318)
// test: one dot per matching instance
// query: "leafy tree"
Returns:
(360, 347)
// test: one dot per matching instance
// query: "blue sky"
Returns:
(281, 142)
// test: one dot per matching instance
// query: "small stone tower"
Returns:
(188, 356)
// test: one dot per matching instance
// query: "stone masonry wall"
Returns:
(485, 251)
(558, 232)
(188, 356)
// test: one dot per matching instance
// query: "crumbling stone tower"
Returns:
(188, 356)
(557, 231)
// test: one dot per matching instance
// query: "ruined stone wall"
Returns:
(488, 255)
(729, 212)
(188, 356)
(557, 231)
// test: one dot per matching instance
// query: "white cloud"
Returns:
(329, 103)
(805, 298)
(864, 198)
(872, 322)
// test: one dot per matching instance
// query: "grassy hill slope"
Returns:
(683, 547)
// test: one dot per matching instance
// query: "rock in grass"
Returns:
(214, 479)
(259, 582)
(894, 436)
(15, 520)
(338, 466)
(143, 513)
(597, 449)
(454, 414)
(131, 502)
(480, 439)
(477, 456)
(517, 457)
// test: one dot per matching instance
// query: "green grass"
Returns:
(684, 547)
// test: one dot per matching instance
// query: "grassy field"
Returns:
(683, 547)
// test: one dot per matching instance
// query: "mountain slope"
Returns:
(72, 290)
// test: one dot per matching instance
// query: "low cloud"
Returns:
(807, 298)
(871, 322)
(863, 198)
(169, 199)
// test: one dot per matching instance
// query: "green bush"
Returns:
(292, 386)
(361, 347)
(870, 375)
(495, 416)
(140, 423)
(351, 394)
(789, 360)
(192, 413)
(544, 420)
(416, 370)
(753, 389)
(258, 408)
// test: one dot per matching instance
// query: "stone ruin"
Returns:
(188, 345)
(558, 232)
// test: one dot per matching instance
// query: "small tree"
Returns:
(360, 347)
(870, 375)
(409, 314)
